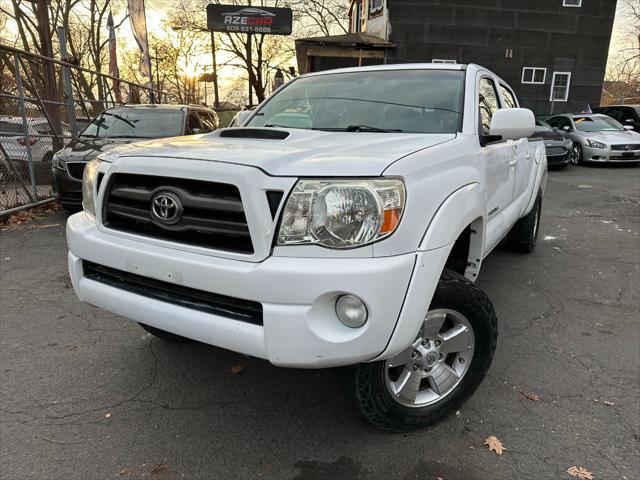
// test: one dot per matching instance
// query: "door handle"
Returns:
(513, 163)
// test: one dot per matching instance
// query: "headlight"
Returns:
(341, 213)
(59, 163)
(595, 144)
(88, 186)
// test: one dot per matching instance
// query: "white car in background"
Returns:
(14, 143)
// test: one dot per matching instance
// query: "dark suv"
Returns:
(118, 125)
(628, 115)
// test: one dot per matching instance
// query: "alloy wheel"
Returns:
(433, 366)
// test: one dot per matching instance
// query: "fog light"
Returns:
(351, 311)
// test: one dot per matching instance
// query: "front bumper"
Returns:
(67, 191)
(608, 155)
(300, 327)
(558, 156)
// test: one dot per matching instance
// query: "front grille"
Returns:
(553, 151)
(212, 215)
(630, 156)
(213, 303)
(632, 146)
(76, 169)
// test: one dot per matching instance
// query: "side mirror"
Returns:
(512, 123)
(566, 128)
(196, 131)
(628, 127)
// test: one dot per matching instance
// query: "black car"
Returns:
(118, 125)
(627, 115)
(558, 147)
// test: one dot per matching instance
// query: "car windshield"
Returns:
(413, 101)
(135, 123)
(597, 124)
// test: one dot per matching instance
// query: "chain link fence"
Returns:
(44, 103)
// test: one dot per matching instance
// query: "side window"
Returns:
(488, 103)
(553, 121)
(192, 124)
(207, 126)
(561, 122)
(508, 97)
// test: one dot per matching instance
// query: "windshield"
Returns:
(597, 124)
(415, 101)
(135, 123)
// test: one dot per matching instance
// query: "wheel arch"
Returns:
(460, 224)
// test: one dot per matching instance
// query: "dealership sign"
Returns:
(239, 19)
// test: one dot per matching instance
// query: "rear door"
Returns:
(498, 158)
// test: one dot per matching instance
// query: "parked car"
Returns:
(598, 138)
(628, 115)
(39, 141)
(120, 125)
(352, 241)
(559, 149)
(239, 118)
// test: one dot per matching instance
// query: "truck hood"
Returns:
(301, 153)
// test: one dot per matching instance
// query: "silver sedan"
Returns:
(598, 138)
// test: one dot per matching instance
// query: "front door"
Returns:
(499, 161)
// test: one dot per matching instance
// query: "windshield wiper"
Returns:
(367, 128)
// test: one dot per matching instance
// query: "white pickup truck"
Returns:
(343, 225)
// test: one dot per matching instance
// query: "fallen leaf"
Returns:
(161, 467)
(531, 396)
(581, 473)
(107, 415)
(494, 444)
(238, 368)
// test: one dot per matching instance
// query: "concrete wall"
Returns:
(541, 33)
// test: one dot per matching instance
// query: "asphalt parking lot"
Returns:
(88, 395)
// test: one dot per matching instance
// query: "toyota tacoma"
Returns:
(343, 225)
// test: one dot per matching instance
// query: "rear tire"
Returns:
(524, 234)
(164, 335)
(376, 389)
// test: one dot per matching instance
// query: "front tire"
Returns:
(578, 155)
(164, 335)
(439, 371)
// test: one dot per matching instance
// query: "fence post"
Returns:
(25, 125)
(66, 81)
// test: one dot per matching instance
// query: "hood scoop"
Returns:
(261, 133)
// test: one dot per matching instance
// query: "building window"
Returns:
(375, 7)
(356, 16)
(534, 75)
(508, 53)
(572, 3)
(560, 86)
(443, 60)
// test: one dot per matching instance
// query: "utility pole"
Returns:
(216, 96)
(250, 66)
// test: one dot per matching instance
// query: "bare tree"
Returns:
(321, 17)
(623, 69)
(269, 52)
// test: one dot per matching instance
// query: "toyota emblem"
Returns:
(166, 208)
